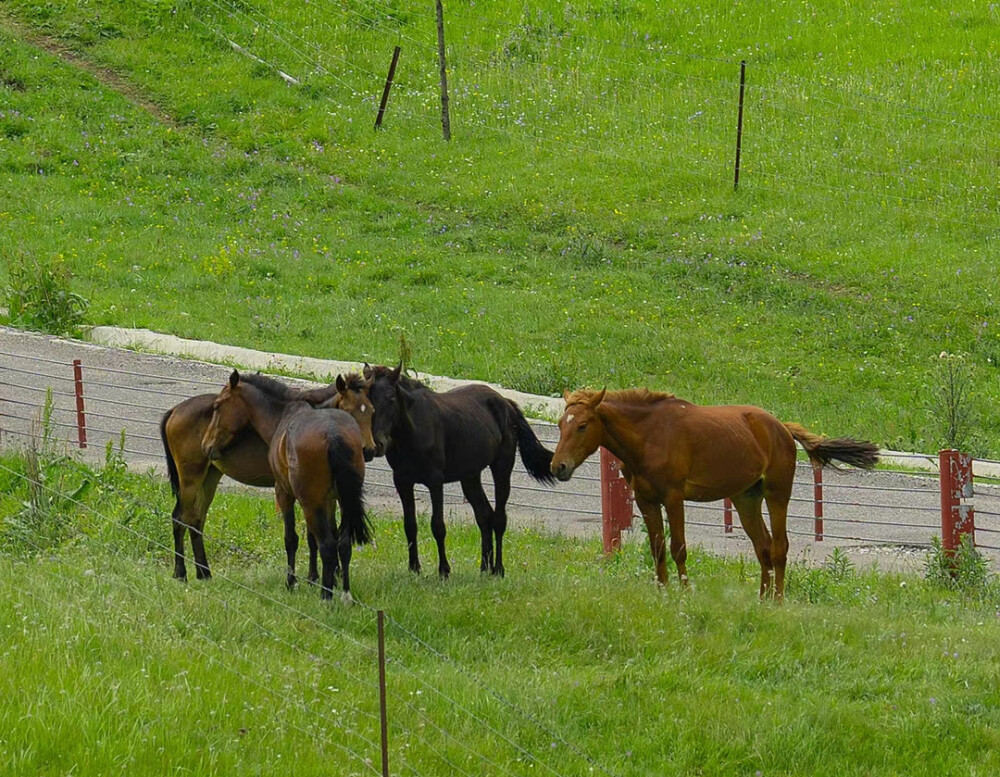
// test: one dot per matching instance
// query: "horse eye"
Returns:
(581, 427)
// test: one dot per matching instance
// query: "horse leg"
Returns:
(344, 549)
(678, 544)
(472, 487)
(777, 506)
(331, 511)
(286, 504)
(653, 516)
(747, 506)
(319, 525)
(405, 491)
(438, 529)
(501, 489)
(179, 527)
(313, 553)
(205, 496)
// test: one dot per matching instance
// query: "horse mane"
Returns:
(408, 383)
(270, 387)
(633, 395)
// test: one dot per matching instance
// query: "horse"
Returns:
(436, 438)
(673, 450)
(194, 478)
(316, 455)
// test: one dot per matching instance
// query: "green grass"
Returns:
(581, 226)
(108, 665)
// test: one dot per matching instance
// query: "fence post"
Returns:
(818, 503)
(616, 502)
(739, 123)
(388, 86)
(445, 119)
(727, 515)
(81, 418)
(383, 713)
(956, 484)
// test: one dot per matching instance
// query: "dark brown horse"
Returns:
(316, 455)
(433, 439)
(193, 478)
(673, 450)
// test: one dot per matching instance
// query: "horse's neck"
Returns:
(267, 414)
(318, 396)
(624, 433)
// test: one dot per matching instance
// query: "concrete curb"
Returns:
(323, 370)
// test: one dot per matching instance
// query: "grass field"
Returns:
(580, 228)
(572, 665)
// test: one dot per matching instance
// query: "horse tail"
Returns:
(536, 458)
(175, 481)
(350, 492)
(823, 450)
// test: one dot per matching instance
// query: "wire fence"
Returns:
(823, 139)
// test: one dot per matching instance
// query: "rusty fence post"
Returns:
(81, 418)
(616, 502)
(383, 713)
(727, 515)
(956, 484)
(818, 503)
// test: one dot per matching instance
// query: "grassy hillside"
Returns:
(570, 666)
(580, 228)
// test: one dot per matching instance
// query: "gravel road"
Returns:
(888, 517)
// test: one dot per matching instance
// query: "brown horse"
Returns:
(673, 450)
(316, 455)
(194, 478)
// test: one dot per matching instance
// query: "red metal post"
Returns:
(616, 502)
(956, 484)
(727, 515)
(81, 418)
(818, 503)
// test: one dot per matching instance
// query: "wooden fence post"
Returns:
(383, 712)
(616, 502)
(956, 484)
(739, 123)
(81, 418)
(445, 120)
(388, 86)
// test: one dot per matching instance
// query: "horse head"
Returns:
(353, 396)
(230, 415)
(580, 432)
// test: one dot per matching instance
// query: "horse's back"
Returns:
(310, 436)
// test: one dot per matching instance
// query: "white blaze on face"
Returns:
(569, 418)
(363, 408)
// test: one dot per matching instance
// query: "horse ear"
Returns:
(341, 384)
(367, 371)
(566, 395)
(394, 375)
(597, 398)
(234, 379)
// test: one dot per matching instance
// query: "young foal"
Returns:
(673, 450)
(193, 478)
(316, 455)
(433, 439)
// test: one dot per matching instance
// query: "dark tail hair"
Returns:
(536, 458)
(175, 482)
(350, 493)
(823, 450)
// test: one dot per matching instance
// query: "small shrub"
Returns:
(951, 403)
(39, 296)
(966, 570)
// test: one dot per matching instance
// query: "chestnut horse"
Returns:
(194, 478)
(674, 450)
(316, 455)
(435, 438)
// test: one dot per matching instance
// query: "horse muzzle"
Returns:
(369, 453)
(562, 471)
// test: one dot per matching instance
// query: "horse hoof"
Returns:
(498, 572)
(444, 572)
(291, 582)
(346, 598)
